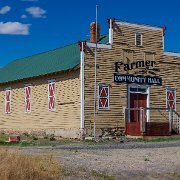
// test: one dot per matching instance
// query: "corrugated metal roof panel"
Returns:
(45, 63)
(56, 60)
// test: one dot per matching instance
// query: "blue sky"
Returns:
(32, 26)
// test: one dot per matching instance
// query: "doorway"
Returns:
(138, 97)
(137, 101)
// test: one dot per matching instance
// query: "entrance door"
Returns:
(137, 100)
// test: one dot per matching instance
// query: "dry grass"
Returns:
(17, 166)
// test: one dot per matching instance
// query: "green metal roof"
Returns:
(45, 63)
(104, 39)
(56, 60)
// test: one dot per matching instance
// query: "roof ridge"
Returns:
(18, 59)
(55, 60)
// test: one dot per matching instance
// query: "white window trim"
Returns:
(8, 89)
(105, 85)
(25, 86)
(168, 89)
(148, 97)
(138, 33)
(52, 81)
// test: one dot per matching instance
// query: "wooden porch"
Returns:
(140, 126)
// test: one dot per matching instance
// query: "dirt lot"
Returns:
(130, 160)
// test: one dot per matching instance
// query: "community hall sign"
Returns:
(146, 66)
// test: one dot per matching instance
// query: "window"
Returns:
(137, 89)
(171, 98)
(51, 95)
(28, 97)
(8, 100)
(138, 39)
(103, 96)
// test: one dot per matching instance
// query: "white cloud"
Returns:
(23, 16)
(5, 9)
(36, 12)
(15, 28)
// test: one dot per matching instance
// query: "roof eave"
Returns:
(42, 75)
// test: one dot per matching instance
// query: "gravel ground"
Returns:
(131, 160)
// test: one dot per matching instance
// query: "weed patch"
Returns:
(17, 166)
(102, 176)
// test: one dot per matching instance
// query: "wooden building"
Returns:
(138, 86)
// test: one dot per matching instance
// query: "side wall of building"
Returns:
(64, 121)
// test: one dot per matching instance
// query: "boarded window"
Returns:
(28, 91)
(103, 96)
(128, 56)
(8, 100)
(51, 95)
(138, 39)
(171, 98)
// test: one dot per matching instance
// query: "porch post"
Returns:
(170, 120)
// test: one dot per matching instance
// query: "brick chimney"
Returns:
(93, 32)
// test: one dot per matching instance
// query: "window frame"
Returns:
(141, 34)
(52, 81)
(167, 90)
(108, 97)
(9, 90)
(30, 98)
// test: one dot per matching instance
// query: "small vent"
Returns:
(138, 39)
